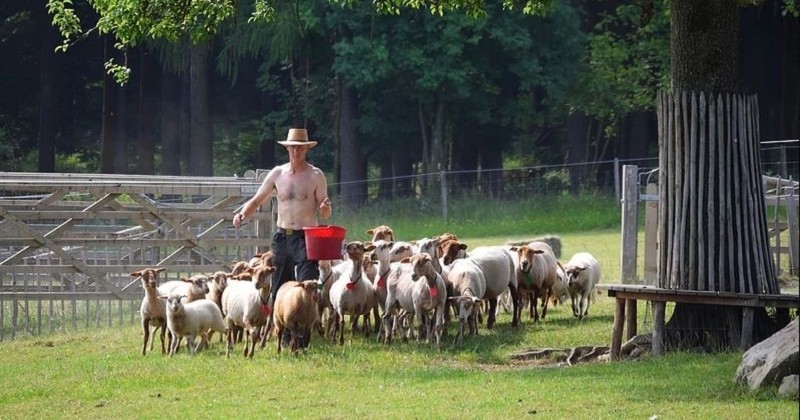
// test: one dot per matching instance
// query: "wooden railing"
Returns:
(68, 242)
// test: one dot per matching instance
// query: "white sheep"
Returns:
(399, 304)
(246, 305)
(190, 320)
(327, 276)
(429, 296)
(497, 265)
(352, 294)
(469, 287)
(583, 274)
(153, 310)
(402, 249)
(296, 311)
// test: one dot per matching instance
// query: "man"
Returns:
(301, 189)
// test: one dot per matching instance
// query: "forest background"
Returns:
(386, 96)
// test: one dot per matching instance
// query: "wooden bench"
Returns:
(627, 295)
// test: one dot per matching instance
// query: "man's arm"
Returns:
(321, 192)
(264, 191)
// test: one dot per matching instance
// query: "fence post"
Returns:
(630, 201)
(616, 179)
(443, 184)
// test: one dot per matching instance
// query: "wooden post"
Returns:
(630, 201)
(616, 334)
(630, 319)
(443, 184)
(747, 327)
(651, 236)
(659, 309)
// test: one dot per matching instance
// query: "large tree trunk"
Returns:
(202, 159)
(712, 233)
(148, 102)
(47, 98)
(353, 168)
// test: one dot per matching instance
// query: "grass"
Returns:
(99, 372)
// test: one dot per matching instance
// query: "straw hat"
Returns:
(298, 137)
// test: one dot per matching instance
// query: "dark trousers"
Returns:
(288, 254)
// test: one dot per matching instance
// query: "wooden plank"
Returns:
(658, 345)
(690, 194)
(713, 189)
(630, 318)
(747, 328)
(630, 201)
(701, 220)
(663, 120)
(651, 236)
(616, 333)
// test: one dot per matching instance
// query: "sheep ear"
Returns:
(369, 247)
(184, 279)
(514, 248)
(406, 260)
(163, 297)
(370, 232)
(137, 273)
(463, 246)
(161, 269)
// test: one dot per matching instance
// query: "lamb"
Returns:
(399, 299)
(583, 273)
(535, 267)
(296, 310)
(327, 276)
(153, 310)
(193, 288)
(428, 296)
(469, 286)
(190, 320)
(351, 294)
(560, 292)
(385, 252)
(247, 306)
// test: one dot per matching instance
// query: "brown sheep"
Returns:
(296, 310)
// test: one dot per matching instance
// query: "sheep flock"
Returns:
(386, 289)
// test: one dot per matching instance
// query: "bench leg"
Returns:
(659, 308)
(616, 335)
(630, 318)
(747, 327)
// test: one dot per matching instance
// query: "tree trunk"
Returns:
(170, 140)
(352, 161)
(47, 98)
(148, 86)
(110, 115)
(202, 159)
(712, 229)
(578, 125)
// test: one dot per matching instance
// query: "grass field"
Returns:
(100, 374)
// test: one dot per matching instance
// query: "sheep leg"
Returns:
(535, 311)
(575, 307)
(230, 340)
(545, 302)
(278, 335)
(163, 333)
(491, 316)
(254, 338)
(340, 327)
(146, 331)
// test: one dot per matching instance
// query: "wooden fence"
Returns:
(68, 242)
(781, 196)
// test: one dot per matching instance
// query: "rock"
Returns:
(769, 361)
(790, 387)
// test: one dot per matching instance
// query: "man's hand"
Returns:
(238, 218)
(325, 208)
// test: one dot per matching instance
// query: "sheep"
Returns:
(399, 299)
(560, 292)
(247, 306)
(536, 268)
(190, 320)
(327, 276)
(469, 287)
(153, 310)
(428, 296)
(351, 294)
(385, 252)
(497, 264)
(193, 288)
(583, 273)
(296, 310)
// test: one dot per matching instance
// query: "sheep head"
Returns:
(381, 232)
(149, 276)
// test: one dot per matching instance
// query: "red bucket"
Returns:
(324, 242)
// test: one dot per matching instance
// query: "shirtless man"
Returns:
(301, 189)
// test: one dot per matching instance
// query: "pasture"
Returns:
(100, 373)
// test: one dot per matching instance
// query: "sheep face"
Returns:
(451, 250)
(573, 273)
(422, 266)
(467, 306)
(381, 232)
(527, 257)
(220, 280)
(199, 284)
(356, 249)
(263, 277)
(174, 303)
(240, 267)
(149, 277)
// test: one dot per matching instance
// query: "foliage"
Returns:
(626, 64)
